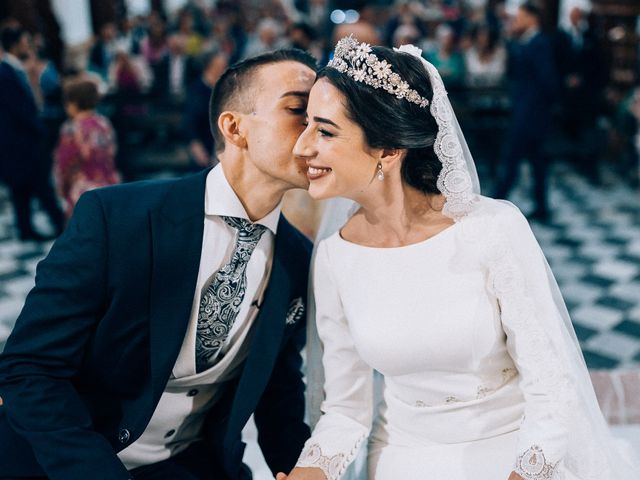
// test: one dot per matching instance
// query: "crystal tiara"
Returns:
(356, 60)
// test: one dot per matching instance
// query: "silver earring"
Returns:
(380, 172)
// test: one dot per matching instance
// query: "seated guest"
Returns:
(84, 157)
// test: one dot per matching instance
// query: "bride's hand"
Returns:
(303, 473)
(515, 476)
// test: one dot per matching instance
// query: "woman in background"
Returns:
(84, 157)
(448, 59)
(486, 60)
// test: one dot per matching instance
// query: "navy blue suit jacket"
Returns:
(534, 82)
(95, 344)
(21, 130)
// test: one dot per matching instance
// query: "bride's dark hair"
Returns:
(390, 122)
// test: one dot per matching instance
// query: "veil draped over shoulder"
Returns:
(520, 278)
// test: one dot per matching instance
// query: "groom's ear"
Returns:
(229, 125)
(391, 157)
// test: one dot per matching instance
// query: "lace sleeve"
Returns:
(347, 409)
(517, 276)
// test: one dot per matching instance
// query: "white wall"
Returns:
(138, 7)
(74, 17)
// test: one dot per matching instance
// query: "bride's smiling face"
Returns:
(340, 162)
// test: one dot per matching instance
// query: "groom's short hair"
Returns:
(234, 89)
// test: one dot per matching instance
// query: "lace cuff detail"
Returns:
(532, 465)
(334, 466)
(312, 457)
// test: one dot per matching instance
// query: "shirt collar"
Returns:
(14, 61)
(221, 200)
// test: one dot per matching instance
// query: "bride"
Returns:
(444, 292)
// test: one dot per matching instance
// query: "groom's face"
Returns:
(281, 95)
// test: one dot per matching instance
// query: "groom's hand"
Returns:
(513, 476)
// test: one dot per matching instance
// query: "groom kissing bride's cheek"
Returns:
(170, 311)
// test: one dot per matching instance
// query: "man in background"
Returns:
(196, 119)
(534, 83)
(23, 163)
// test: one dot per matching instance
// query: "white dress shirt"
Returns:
(178, 417)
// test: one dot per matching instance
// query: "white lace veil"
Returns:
(593, 454)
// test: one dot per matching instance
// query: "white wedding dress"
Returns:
(467, 391)
(482, 373)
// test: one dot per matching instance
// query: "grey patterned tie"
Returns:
(220, 302)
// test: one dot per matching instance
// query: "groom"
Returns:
(170, 311)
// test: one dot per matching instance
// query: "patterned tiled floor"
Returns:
(593, 247)
(592, 244)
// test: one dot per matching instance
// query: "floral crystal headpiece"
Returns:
(356, 60)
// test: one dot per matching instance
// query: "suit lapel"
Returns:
(270, 325)
(176, 236)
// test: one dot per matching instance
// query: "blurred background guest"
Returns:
(303, 36)
(317, 13)
(268, 36)
(192, 39)
(129, 74)
(197, 127)
(405, 34)
(486, 59)
(174, 72)
(46, 84)
(130, 34)
(103, 50)
(534, 83)
(364, 30)
(227, 30)
(85, 155)
(625, 136)
(23, 162)
(448, 59)
(405, 22)
(584, 77)
(154, 45)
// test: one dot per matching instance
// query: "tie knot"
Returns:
(247, 231)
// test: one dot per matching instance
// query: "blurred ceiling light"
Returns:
(338, 16)
(351, 16)
(617, 33)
